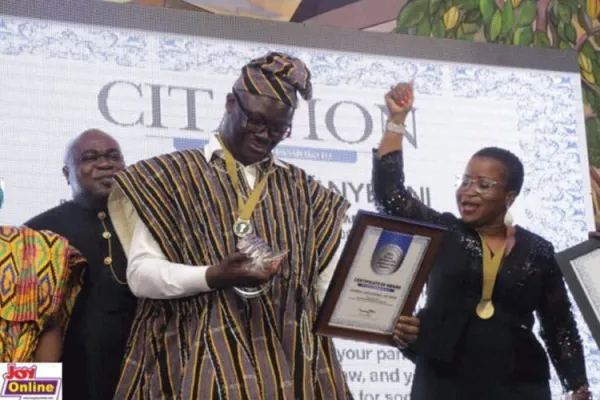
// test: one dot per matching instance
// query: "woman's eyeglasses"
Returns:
(482, 185)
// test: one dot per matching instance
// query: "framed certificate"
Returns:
(580, 266)
(380, 275)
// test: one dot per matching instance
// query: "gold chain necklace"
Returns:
(108, 261)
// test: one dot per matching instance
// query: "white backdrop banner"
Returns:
(156, 93)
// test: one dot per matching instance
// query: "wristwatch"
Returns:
(390, 126)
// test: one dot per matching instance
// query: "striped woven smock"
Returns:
(217, 345)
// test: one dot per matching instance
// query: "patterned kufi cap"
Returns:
(276, 75)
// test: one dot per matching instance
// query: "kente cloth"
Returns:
(278, 76)
(216, 345)
(40, 275)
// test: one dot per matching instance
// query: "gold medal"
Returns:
(242, 228)
(491, 265)
(485, 309)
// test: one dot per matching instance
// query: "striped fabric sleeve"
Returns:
(328, 211)
(149, 186)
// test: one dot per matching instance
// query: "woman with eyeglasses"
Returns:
(473, 340)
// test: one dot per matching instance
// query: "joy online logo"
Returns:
(22, 382)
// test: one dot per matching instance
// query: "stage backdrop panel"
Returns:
(157, 79)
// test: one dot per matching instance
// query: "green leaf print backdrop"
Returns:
(556, 24)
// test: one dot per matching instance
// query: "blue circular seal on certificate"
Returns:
(387, 259)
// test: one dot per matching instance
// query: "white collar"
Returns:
(214, 147)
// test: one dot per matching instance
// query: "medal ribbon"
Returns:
(244, 209)
(491, 265)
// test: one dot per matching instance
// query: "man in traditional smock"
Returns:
(179, 217)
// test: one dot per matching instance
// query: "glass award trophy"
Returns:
(261, 255)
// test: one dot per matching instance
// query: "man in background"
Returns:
(99, 327)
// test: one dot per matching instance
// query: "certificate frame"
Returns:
(578, 290)
(362, 221)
